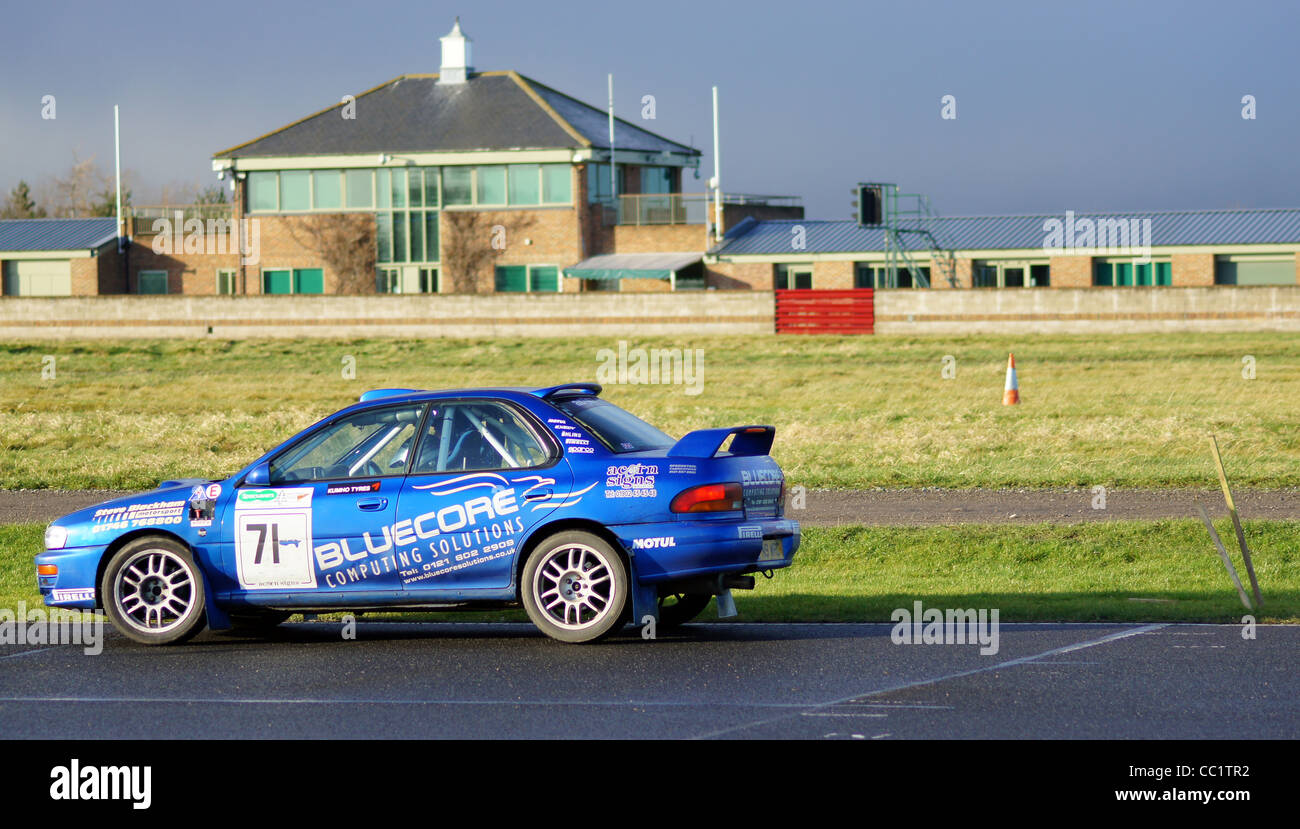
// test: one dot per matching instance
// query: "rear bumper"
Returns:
(678, 549)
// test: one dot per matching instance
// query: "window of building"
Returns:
(226, 281)
(491, 185)
(293, 281)
(326, 189)
(295, 190)
(876, 275)
(793, 276)
(525, 184)
(1255, 269)
(263, 192)
(457, 185)
(1011, 274)
(656, 180)
(527, 278)
(598, 182)
(1129, 273)
(151, 282)
(360, 185)
(557, 183)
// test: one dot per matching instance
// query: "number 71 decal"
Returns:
(272, 549)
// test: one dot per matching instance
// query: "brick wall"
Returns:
(832, 276)
(659, 238)
(1192, 269)
(1071, 271)
(731, 276)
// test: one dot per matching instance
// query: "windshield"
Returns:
(620, 430)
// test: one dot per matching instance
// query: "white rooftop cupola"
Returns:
(455, 56)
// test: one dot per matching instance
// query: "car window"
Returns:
(367, 444)
(477, 435)
(619, 429)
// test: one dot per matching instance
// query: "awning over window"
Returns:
(632, 265)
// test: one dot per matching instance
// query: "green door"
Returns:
(512, 278)
(277, 282)
(546, 279)
(309, 281)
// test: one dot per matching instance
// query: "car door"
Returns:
(485, 474)
(325, 521)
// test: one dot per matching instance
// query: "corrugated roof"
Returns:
(632, 265)
(1185, 227)
(490, 111)
(56, 234)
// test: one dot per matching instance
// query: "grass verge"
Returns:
(851, 412)
(1116, 571)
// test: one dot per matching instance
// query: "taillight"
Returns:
(709, 498)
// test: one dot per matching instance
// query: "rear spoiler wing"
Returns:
(705, 443)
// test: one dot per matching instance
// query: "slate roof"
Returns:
(490, 111)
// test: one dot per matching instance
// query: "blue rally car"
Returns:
(412, 500)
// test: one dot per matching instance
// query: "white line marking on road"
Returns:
(1010, 663)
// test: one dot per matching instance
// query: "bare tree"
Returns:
(472, 240)
(85, 190)
(345, 242)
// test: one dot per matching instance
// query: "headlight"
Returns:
(55, 537)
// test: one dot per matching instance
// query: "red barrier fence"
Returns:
(825, 312)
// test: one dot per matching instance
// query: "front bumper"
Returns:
(679, 549)
(75, 584)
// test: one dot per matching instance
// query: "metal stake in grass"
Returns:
(1223, 554)
(1236, 523)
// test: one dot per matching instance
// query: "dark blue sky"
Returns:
(1060, 106)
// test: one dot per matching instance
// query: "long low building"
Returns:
(1177, 248)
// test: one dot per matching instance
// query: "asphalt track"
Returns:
(906, 507)
(708, 681)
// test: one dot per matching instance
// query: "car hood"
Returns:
(167, 491)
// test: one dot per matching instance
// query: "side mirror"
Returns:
(260, 476)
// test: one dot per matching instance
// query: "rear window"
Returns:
(621, 431)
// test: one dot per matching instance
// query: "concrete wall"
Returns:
(1088, 310)
(457, 315)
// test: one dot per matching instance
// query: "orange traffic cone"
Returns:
(1011, 396)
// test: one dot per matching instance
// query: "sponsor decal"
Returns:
(476, 528)
(575, 441)
(292, 497)
(352, 488)
(656, 543)
(681, 469)
(80, 594)
(750, 531)
(202, 505)
(273, 539)
(633, 480)
(154, 514)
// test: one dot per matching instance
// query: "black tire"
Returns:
(153, 592)
(677, 609)
(575, 588)
(257, 622)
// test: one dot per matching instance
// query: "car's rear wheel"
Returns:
(679, 608)
(575, 588)
(153, 591)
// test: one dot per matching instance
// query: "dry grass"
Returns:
(851, 412)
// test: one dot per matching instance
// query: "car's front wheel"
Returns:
(153, 591)
(575, 587)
